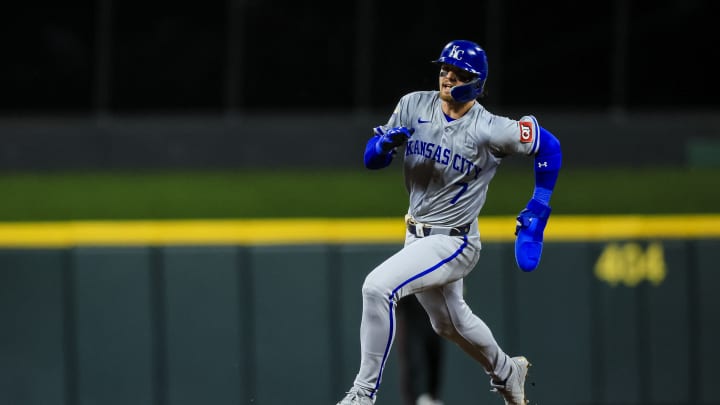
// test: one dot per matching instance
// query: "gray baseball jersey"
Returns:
(448, 165)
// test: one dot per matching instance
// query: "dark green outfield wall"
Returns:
(270, 325)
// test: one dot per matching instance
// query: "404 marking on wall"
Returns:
(629, 264)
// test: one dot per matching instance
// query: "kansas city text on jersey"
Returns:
(442, 155)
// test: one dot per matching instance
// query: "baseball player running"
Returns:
(451, 147)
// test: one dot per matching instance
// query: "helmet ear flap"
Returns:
(468, 91)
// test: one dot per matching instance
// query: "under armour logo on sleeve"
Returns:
(542, 164)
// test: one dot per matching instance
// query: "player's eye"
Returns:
(461, 75)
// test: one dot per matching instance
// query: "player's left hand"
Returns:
(529, 230)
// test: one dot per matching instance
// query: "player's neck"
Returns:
(456, 110)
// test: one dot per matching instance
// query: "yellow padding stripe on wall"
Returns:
(322, 230)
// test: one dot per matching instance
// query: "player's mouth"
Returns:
(447, 87)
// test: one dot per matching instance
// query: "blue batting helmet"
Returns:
(468, 56)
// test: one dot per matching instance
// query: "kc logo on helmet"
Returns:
(526, 132)
(456, 53)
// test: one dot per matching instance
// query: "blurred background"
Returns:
(117, 111)
(136, 84)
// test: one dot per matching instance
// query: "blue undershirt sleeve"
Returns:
(548, 160)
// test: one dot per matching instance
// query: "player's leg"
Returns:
(421, 264)
(453, 319)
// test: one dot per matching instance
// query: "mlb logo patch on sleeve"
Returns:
(526, 131)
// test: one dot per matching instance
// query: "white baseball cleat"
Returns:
(513, 390)
(356, 396)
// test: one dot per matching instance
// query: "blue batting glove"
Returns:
(529, 231)
(392, 138)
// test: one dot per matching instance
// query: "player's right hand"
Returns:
(392, 138)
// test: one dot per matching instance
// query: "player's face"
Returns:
(451, 76)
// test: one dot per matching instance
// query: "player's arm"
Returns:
(548, 160)
(382, 146)
(532, 220)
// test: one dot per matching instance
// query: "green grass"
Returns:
(621, 191)
(337, 193)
